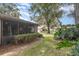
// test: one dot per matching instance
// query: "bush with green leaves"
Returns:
(75, 50)
(25, 38)
(77, 25)
(67, 33)
(65, 43)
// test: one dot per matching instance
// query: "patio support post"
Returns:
(10, 30)
(18, 27)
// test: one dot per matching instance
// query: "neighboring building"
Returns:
(10, 26)
(42, 28)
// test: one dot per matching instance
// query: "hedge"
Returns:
(26, 38)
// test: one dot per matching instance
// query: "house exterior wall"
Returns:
(0, 32)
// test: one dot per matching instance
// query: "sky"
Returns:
(65, 19)
(23, 7)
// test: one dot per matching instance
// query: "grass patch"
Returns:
(40, 49)
(48, 47)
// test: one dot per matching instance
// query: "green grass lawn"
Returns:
(46, 48)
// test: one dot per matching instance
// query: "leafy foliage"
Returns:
(46, 13)
(22, 38)
(25, 38)
(9, 9)
(65, 43)
(67, 33)
(75, 50)
(77, 25)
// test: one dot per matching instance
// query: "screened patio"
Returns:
(11, 26)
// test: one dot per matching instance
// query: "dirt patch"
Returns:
(12, 50)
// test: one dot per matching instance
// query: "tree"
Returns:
(76, 13)
(47, 13)
(9, 9)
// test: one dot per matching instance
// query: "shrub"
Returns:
(77, 25)
(24, 38)
(75, 50)
(65, 43)
(67, 33)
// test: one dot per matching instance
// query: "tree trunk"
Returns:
(48, 27)
(60, 25)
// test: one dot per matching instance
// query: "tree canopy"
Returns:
(9, 9)
(46, 13)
